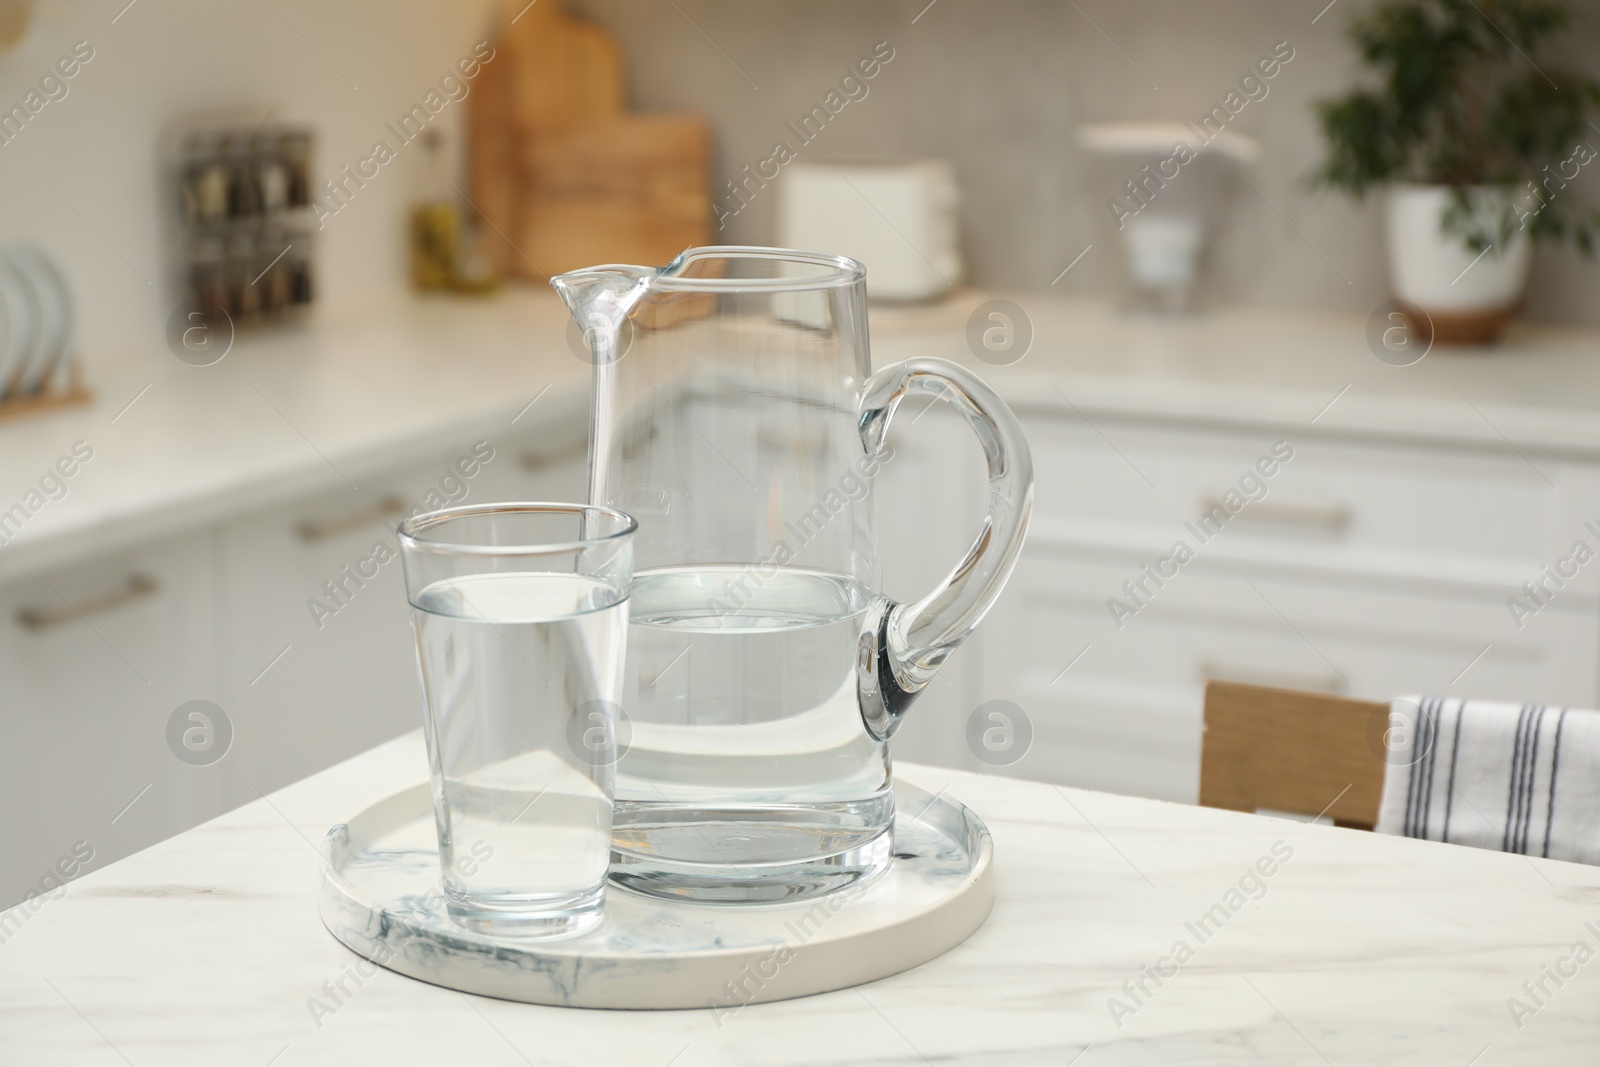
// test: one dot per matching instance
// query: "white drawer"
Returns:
(319, 661)
(1135, 696)
(1475, 517)
(94, 660)
(546, 460)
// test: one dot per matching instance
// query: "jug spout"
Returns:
(601, 299)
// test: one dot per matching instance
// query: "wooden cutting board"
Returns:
(564, 69)
(491, 150)
(564, 175)
(631, 189)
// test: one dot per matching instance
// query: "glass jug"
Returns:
(737, 419)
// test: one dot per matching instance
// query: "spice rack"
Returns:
(246, 237)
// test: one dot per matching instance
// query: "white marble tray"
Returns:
(380, 897)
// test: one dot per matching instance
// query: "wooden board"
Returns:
(50, 398)
(560, 174)
(564, 69)
(549, 68)
(491, 160)
(630, 189)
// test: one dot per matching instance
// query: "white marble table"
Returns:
(1355, 949)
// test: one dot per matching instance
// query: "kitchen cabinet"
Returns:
(319, 660)
(930, 502)
(95, 659)
(1367, 569)
(283, 618)
(1377, 561)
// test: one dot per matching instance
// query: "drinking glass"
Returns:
(520, 613)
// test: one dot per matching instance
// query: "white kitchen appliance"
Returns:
(897, 217)
(1168, 187)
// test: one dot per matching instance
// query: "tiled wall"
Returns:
(999, 88)
(86, 175)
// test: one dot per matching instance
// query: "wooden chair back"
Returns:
(1282, 750)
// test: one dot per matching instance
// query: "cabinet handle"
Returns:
(637, 444)
(388, 507)
(538, 461)
(136, 587)
(1319, 516)
(1213, 671)
(789, 441)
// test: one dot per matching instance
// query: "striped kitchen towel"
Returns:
(1513, 777)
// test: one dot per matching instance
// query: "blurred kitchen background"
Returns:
(998, 93)
(223, 497)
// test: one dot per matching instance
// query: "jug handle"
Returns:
(903, 645)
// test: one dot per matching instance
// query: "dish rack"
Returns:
(72, 394)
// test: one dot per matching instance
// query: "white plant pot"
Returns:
(1467, 297)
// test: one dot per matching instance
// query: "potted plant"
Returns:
(1476, 141)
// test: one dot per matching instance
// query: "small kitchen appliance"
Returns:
(897, 218)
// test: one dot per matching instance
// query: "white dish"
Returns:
(22, 313)
(69, 295)
(54, 301)
(10, 312)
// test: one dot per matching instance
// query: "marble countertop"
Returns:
(1261, 367)
(1125, 931)
(370, 388)
(297, 410)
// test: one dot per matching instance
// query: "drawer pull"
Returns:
(637, 443)
(386, 508)
(137, 587)
(538, 461)
(1213, 671)
(790, 441)
(1318, 516)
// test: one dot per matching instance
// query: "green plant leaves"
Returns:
(1460, 99)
